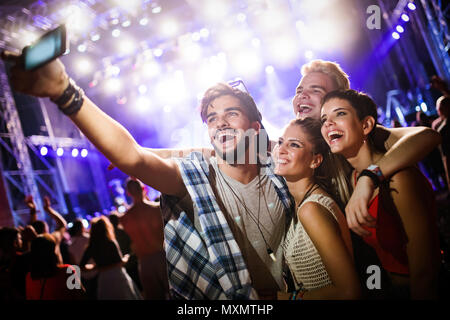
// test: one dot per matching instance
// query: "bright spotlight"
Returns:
(142, 103)
(395, 35)
(59, 152)
(399, 29)
(85, 223)
(204, 33)
(95, 37)
(82, 47)
(115, 33)
(126, 23)
(269, 69)
(309, 54)
(150, 69)
(126, 46)
(157, 9)
(417, 108)
(158, 52)
(44, 151)
(405, 17)
(192, 52)
(112, 71)
(143, 21)
(411, 6)
(113, 85)
(424, 107)
(75, 152)
(84, 153)
(78, 20)
(83, 65)
(169, 28)
(247, 62)
(142, 89)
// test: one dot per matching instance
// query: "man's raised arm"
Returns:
(110, 137)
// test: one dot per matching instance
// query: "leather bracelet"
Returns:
(66, 95)
(75, 104)
(372, 175)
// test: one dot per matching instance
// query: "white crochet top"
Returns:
(300, 253)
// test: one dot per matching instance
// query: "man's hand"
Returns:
(49, 80)
(47, 203)
(357, 207)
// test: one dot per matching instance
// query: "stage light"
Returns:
(309, 54)
(126, 46)
(142, 104)
(112, 71)
(399, 29)
(395, 35)
(142, 89)
(75, 152)
(411, 6)
(95, 37)
(269, 69)
(121, 209)
(85, 223)
(417, 108)
(247, 62)
(78, 20)
(59, 152)
(204, 33)
(113, 85)
(241, 17)
(256, 42)
(405, 17)
(284, 51)
(191, 52)
(150, 69)
(126, 23)
(82, 47)
(70, 225)
(156, 9)
(424, 107)
(115, 33)
(84, 153)
(169, 28)
(83, 66)
(143, 21)
(44, 150)
(157, 52)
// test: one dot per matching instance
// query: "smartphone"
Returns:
(47, 48)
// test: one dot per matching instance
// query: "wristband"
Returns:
(71, 100)
(376, 169)
(371, 175)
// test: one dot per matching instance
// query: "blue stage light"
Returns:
(44, 150)
(59, 152)
(405, 17)
(400, 29)
(395, 35)
(75, 152)
(411, 6)
(84, 153)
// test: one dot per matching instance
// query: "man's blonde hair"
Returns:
(332, 69)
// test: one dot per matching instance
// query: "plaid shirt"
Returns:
(207, 264)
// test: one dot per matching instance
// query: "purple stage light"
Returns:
(84, 153)
(44, 151)
(75, 152)
(411, 6)
(59, 152)
(405, 17)
(400, 29)
(395, 35)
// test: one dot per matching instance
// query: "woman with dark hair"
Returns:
(404, 233)
(317, 247)
(113, 281)
(48, 278)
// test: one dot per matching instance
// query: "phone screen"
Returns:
(44, 50)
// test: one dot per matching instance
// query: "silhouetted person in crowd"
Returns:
(78, 244)
(113, 281)
(48, 278)
(442, 126)
(432, 163)
(144, 224)
(125, 244)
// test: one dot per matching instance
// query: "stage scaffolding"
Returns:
(20, 178)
